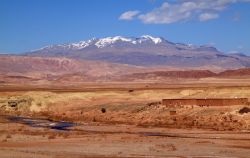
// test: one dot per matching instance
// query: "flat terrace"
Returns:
(206, 102)
(118, 86)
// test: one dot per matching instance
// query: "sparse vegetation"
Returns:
(131, 90)
(244, 110)
(103, 110)
(65, 135)
(52, 136)
(4, 140)
(39, 104)
(8, 136)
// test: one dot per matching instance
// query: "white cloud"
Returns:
(129, 15)
(182, 10)
(167, 13)
(208, 16)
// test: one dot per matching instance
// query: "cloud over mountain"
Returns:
(129, 15)
(208, 16)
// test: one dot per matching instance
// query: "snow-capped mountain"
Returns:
(144, 51)
(107, 42)
(143, 44)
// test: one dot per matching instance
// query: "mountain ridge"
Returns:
(110, 41)
(146, 51)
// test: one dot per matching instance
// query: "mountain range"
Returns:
(146, 51)
(121, 58)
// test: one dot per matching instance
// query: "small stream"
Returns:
(42, 123)
(65, 126)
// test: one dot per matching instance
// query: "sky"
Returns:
(26, 25)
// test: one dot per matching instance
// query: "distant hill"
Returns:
(20, 69)
(233, 73)
(43, 66)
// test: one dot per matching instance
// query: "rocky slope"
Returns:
(24, 69)
(42, 66)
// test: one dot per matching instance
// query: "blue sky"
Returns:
(31, 24)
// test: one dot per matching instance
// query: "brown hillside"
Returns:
(238, 72)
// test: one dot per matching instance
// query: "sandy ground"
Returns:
(100, 140)
(125, 121)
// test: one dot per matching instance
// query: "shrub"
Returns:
(4, 140)
(103, 110)
(244, 110)
(52, 136)
(131, 90)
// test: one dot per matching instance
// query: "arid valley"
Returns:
(124, 79)
(63, 107)
(124, 120)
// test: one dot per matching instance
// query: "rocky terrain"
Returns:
(24, 65)
(131, 106)
(98, 140)
(113, 119)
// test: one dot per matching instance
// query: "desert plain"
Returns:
(124, 119)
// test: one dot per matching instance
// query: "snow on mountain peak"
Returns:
(156, 40)
(83, 44)
(103, 42)
(80, 45)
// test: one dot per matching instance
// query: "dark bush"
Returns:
(103, 110)
(244, 110)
